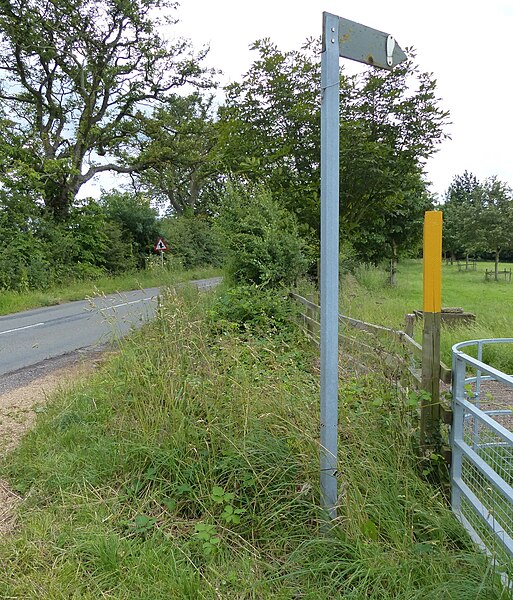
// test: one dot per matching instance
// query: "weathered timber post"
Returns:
(310, 313)
(430, 410)
(409, 324)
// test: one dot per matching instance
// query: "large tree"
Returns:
(178, 142)
(397, 232)
(76, 76)
(456, 208)
(390, 124)
(269, 127)
(487, 223)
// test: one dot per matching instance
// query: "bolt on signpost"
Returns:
(346, 39)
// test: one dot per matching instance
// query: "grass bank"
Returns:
(188, 468)
(11, 302)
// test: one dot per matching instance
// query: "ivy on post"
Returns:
(430, 410)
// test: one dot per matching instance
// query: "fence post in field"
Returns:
(430, 410)
(409, 324)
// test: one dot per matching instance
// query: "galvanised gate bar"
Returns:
(482, 447)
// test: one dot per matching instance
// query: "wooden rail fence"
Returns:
(410, 358)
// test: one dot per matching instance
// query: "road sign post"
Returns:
(347, 39)
(161, 247)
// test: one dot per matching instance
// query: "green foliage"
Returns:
(348, 257)
(193, 240)
(208, 536)
(390, 124)
(131, 474)
(477, 217)
(262, 242)
(396, 233)
(73, 76)
(269, 133)
(136, 218)
(180, 148)
(24, 264)
(456, 205)
(44, 252)
(252, 309)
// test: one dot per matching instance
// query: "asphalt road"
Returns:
(33, 336)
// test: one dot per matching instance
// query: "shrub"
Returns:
(193, 240)
(249, 308)
(261, 239)
(137, 219)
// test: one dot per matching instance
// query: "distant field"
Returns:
(367, 296)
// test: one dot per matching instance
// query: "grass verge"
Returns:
(188, 468)
(11, 302)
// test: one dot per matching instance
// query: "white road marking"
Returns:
(127, 303)
(21, 328)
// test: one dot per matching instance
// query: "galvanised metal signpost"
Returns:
(347, 39)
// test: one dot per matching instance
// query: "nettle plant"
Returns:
(207, 533)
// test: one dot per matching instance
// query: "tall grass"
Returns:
(188, 468)
(366, 295)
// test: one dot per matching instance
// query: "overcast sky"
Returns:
(466, 45)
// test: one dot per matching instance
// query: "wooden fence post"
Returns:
(409, 324)
(311, 315)
(430, 410)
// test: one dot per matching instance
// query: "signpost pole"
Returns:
(330, 83)
(348, 39)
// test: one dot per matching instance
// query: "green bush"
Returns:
(249, 308)
(193, 240)
(136, 218)
(24, 264)
(261, 239)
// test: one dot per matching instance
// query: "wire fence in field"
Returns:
(481, 419)
(369, 348)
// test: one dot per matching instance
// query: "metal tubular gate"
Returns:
(482, 450)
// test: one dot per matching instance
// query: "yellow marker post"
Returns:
(430, 411)
(432, 261)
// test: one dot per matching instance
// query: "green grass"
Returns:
(368, 297)
(11, 302)
(188, 468)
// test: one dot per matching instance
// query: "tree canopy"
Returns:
(478, 216)
(76, 79)
(390, 124)
(179, 145)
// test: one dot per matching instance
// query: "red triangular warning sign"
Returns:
(160, 246)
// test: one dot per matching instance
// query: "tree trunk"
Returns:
(497, 265)
(59, 194)
(393, 265)
(466, 261)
